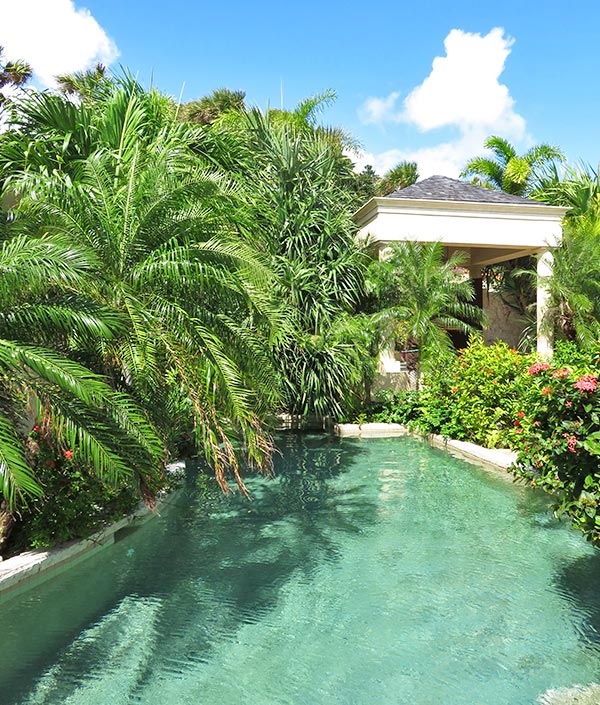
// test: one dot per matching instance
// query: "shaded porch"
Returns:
(490, 226)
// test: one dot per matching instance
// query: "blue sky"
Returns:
(526, 71)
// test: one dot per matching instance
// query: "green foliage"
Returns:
(485, 391)
(420, 296)
(575, 282)
(402, 175)
(13, 74)
(74, 502)
(474, 398)
(557, 432)
(209, 108)
(299, 215)
(507, 171)
(194, 299)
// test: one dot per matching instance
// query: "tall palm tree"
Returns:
(422, 295)
(507, 171)
(13, 74)
(302, 211)
(195, 296)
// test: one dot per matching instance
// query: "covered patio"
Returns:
(490, 226)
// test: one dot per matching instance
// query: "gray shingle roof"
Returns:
(442, 188)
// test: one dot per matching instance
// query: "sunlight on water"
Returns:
(375, 572)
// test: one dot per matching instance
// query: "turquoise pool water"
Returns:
(380, 572)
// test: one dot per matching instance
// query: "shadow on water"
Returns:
(212, 564)
(578, 583)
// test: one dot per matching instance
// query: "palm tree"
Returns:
(577, 188)
(42, 323)
(422, 296)
(402, 175)
(13, 74)
(507, 171)
(195, 296)
(90, 85)
(209, 108)
(296, 190)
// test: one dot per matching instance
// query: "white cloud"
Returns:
(376, 110)
(54, 37)
(463, 92)
(447, 158)
(463, 88)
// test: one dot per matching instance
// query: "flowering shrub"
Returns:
(475, 399)
(74, 502)
(559, 442)
(486, 390)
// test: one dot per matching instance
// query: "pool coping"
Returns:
(492, 458)
(30, 568)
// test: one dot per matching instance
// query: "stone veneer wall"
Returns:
(504, 323)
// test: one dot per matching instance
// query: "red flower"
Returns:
(36, 429)
(68, 454)
(547, 391)
(538, 367)
(521, 414)
(586, 383)
(454, 390)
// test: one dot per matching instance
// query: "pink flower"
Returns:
(568, 403)
(538, 367)
(586, 383)
(561, 373)
(68, 454)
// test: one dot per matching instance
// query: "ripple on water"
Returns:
(369, 573)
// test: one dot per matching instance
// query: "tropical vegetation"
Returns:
(174, 277)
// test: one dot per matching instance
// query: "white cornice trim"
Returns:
(473, 209)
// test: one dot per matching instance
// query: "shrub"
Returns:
(74, 503)
(557, 434)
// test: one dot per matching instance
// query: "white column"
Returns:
(544, 319)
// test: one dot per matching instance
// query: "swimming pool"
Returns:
(379, 572)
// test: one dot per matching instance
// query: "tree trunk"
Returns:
(7, 521)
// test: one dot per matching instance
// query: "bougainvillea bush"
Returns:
(557, 434)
